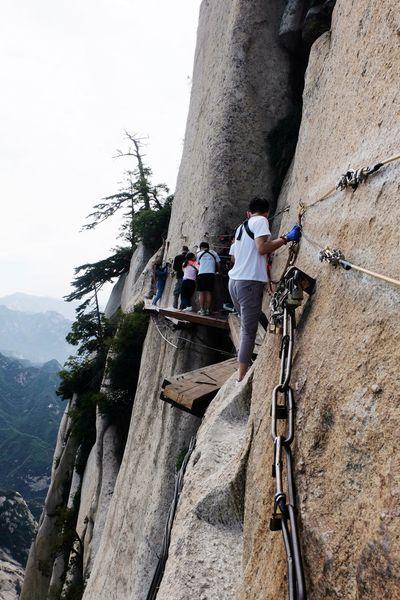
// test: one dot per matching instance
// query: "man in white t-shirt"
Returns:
(209, 265)
(248, 276)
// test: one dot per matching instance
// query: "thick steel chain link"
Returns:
(284, 516)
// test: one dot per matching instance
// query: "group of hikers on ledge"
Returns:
(243, 263)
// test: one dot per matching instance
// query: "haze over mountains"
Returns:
(31, 329)
(39, 304)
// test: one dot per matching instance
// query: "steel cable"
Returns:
(183, 339)
(352, 178)
(159, 572)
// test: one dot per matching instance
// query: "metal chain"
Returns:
(286, 299)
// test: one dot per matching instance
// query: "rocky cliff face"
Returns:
(347, 357)
(345, 371)
(241, 91)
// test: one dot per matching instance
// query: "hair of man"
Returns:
(259, 205)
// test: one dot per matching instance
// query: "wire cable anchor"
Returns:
(336, 258)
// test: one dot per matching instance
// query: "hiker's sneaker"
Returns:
(229, 308)
(207, 312)
(188, 309)
(201, 312)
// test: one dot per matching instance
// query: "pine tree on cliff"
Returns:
(139, 198)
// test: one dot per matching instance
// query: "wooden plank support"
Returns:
(234, 329)
(178, 316)
(193, 391)
(193, 317)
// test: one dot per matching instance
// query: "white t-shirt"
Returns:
(208, 261)
(190, 272)
(249, 264)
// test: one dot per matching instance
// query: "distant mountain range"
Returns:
(39, 304)
(30, 413)
(37, 337)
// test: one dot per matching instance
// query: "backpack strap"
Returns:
(207, 252)
(249, 232)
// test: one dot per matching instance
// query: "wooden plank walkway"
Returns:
(176, 315)
(193, 317)
(234, 327)
(193, 391)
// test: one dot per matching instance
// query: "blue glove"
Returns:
(294, 234)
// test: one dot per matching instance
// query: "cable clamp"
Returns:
(333, 256)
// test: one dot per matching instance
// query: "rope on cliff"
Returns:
(162, 335)
(336, 258)
(183, 339)
(352, 178)
(159, 572)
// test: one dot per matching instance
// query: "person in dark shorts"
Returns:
(177, 267)
(209, 264)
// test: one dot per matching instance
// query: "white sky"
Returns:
(74, 75)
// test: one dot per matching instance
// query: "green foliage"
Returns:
(83, 377)
(66, 534)
(83, 416)
(181, 457)
(68, 544)
(123, 369)
(151, 226)
(91, 333)
(100, 272)
(30, 414)
(80, 375)
(137, 194)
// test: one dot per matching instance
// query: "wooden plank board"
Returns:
(193, 391)
(193, 317)
(234, 328)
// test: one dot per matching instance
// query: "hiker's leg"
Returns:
(249, 295)
(185, 300)
(177, 292)
(208, 300)
(202, 299)
(159, 293)
(191, 288)
(232, 292)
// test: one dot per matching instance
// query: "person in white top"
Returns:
(209, 266)
(190, 270)
(248, 276)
